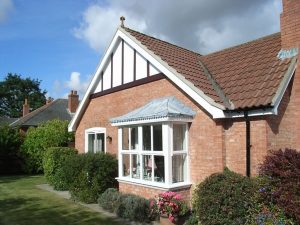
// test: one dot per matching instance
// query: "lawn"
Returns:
(22, 203)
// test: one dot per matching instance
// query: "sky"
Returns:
(61, 42)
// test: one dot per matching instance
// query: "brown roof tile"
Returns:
(248, 74)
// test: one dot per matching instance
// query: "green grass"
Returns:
(22, 203)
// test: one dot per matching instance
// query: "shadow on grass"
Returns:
(24, 211)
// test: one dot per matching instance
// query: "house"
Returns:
(173, 116)
(61, 109)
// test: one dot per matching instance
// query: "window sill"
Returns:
(155, 185)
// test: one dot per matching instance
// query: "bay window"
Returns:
(95, 140)
(154, 154)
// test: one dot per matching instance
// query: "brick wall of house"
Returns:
(235, 144)
(147, 192)
(290, 24)
(205, 134)
(283, 131)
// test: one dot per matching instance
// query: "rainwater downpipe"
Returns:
(248, 144)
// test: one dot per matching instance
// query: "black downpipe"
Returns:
(248, 144)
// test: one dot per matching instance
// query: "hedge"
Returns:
(89, 175)
(54, 159)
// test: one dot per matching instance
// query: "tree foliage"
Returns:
(53, 133)
(13, 91)
(10, 142)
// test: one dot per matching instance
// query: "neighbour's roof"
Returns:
(166, 107)
(57, 109)
(244, 76)
(6, 121)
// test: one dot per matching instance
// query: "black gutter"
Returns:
(248, 144)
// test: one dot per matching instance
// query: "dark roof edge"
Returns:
(228, 104)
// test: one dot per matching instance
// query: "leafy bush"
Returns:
(91, 175)
(53, 160)
(50, 134)
(10, 142)
(126, 206)
(134, 208)
(109, 199)
(281, 170)
(223, 198)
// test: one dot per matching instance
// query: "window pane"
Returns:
(147, 167)
(179, 137)
(125, 138)
(134, 138)
(91, 141)
(147, 138)
(126, 164)
(159, 169)
(100, 142)
(135, 161)
(157, 137)
(179, 168)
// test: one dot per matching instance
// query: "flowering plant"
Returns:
(170, 204)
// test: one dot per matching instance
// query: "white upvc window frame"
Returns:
(94, 130)
(167, 152)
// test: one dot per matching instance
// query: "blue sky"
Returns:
(37, 40)
(60, 42)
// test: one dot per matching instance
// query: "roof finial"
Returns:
(122, 18)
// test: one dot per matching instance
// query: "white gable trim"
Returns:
(179, 80)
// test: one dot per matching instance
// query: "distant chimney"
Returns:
(25, 107)
(73, 101)
(49, 100)
(289, 24)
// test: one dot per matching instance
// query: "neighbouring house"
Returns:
(61, 109)
(173, 116)
(5, 121)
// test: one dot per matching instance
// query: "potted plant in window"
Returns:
(170, 207)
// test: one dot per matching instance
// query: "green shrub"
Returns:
(54, 159)
(109, 199)
(134, 208)
(223, 198)
(280, 186)
(91, 175)
(53, 133)
(11, 161)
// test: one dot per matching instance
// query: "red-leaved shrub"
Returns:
(282, 170)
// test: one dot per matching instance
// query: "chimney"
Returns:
(49, 100)
(289, 24)
(73, 101)
(25, 107)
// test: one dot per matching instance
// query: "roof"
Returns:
(244, 76)
(6, 121)
(166, 107)
(57, 109)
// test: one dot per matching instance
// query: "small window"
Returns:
(95, 140)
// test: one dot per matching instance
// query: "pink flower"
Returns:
(171, 218)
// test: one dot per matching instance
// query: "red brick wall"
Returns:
(205, 135)
(290, 24)
(284, 129)
(235, 144)
(147, 192)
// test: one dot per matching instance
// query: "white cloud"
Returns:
(77, 84)
(99, 24)
(6, 6)
(200, 25)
